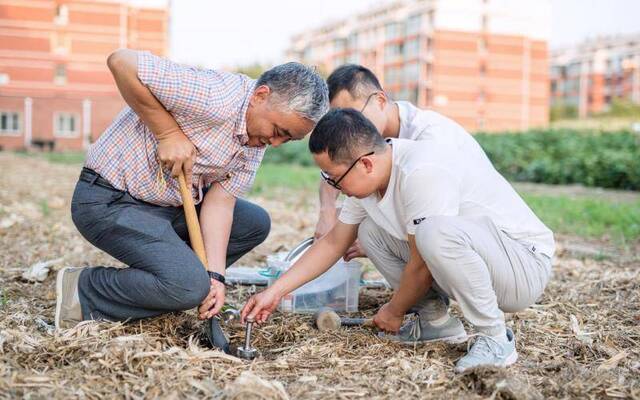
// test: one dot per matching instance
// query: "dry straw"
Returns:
(582, 340)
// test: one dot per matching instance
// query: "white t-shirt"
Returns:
(445, 172)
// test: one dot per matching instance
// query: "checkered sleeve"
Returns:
(242, 179)
(182, 90)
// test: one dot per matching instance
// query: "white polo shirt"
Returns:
(444, 171)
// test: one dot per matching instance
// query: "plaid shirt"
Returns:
(210, 106)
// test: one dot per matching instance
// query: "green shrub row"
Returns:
(608, 160)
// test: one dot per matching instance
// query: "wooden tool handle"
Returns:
(193, 226)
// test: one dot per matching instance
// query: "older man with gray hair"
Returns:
(214, 126)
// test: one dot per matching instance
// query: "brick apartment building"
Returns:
(589, 76)
(55, 87)
(483, 63)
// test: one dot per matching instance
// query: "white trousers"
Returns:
(471, 261)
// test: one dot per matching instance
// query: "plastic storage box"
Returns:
(338, 288)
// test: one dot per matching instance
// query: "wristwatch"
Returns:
(218, 277)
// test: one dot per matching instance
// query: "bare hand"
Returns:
(260, 306)
(326, 222)
(212, 304)
(356, 250)
(176, 152)
(387, 319)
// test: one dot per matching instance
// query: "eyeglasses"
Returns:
(336, 183)
(366, 103)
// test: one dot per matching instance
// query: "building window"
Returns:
(412, 72)
(60, 43)
(338, 61)
(394, 30)
(482, 45)
(413, 95)
(482, 96)
(483, 69)
(60, 75)
(414, 24)
(393, 75)
(65, 125)
(393, 52)
(485, 22)
(62, 14)
(412, 48)
(353, 41)
(9, 123)
(429, 71)
(339, 45)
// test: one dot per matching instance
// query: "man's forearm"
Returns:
(318, 259)
(216, 218)
(414, 283)
(124, 67)
(328, 196)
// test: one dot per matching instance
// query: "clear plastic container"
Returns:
(338, 288)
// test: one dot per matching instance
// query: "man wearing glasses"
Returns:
(354, 86)
(433, 215)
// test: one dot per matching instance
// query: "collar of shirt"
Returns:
(241, 122)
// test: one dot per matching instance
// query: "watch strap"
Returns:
(218, 277)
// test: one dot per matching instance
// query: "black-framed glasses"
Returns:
(366, 103)
(336, 183)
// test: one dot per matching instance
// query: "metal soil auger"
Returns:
(247, 352)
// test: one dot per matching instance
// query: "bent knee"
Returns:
(262, 225)
(191, 290)
(253, 226)
(435, 234)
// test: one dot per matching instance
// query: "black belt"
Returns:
(91, 176)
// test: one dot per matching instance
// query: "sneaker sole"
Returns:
(59, 296)
(513, 357)
(449, 340)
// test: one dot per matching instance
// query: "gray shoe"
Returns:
(486, 351)
(68, 311)
(418, 331)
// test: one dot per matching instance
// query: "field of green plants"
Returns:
(554, 156)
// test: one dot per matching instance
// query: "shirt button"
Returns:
(229, 175)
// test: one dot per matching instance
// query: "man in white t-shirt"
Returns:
(354, 86)
(467, 231)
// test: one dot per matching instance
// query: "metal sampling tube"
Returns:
(247, 336)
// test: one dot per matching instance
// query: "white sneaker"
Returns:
(487, 351)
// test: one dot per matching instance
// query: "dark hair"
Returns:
(344, 134)
(353, 78)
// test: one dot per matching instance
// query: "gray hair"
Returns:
(298, 88)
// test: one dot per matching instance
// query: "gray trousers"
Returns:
(164, 273)
(471, 261)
